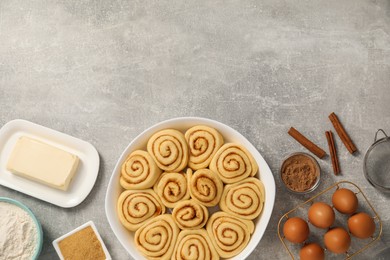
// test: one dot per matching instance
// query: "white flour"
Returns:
(18, 233)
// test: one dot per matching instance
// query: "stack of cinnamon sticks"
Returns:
(320, 153)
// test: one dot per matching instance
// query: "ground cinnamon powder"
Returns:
(299, 172)
(82, 245)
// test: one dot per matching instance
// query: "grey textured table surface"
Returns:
(103, 71)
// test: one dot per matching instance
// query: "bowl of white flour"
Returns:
(21, 234)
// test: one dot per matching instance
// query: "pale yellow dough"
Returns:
(139, 171)
(244, 199)
(169, 150)
(216, 173)
(233, 163)
(137, 206)
(230, 235)
(206, 187)
(172, 188)
(189, 214)
(195, 245)
(156, 239)
(203, 143)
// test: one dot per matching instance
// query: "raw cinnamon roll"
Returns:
(230, 235)
(139, 171)
(233, 163)
(206, 187)
(172, 187)
(169, 150)
(194, 245)
(203, 142)
(156, 239)
(189, 214)
(137, 206)
(244, 199)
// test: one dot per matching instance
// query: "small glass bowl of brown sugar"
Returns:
(300, 173)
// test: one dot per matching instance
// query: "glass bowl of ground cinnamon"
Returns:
(300, 173)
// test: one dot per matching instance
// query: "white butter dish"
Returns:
(83, 180)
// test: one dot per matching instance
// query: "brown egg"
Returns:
(337, 240)
(345, 201)
(312, 251)
(361, 225)
(321, 215)
(296, 230)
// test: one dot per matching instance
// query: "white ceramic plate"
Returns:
(83, 180)
(89, 223)
(230, 135)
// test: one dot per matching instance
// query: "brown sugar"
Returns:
(299, 172)
(82, 245)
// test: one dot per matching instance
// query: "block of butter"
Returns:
(43, 163)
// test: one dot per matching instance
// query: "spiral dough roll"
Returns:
(244, 199)
(206, 187)
(172, 187)
(139, 171)
(189, 214)
(137, 206)
(230, 235)
(194, 245)
(233, 163)
(156, 239)
(203, 142)
(169, 150)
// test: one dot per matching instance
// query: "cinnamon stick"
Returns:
(342, 133)
(306, 143)
(333, 152)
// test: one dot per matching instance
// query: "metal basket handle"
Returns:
(376, 134)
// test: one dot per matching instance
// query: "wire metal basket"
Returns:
(316, 234)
